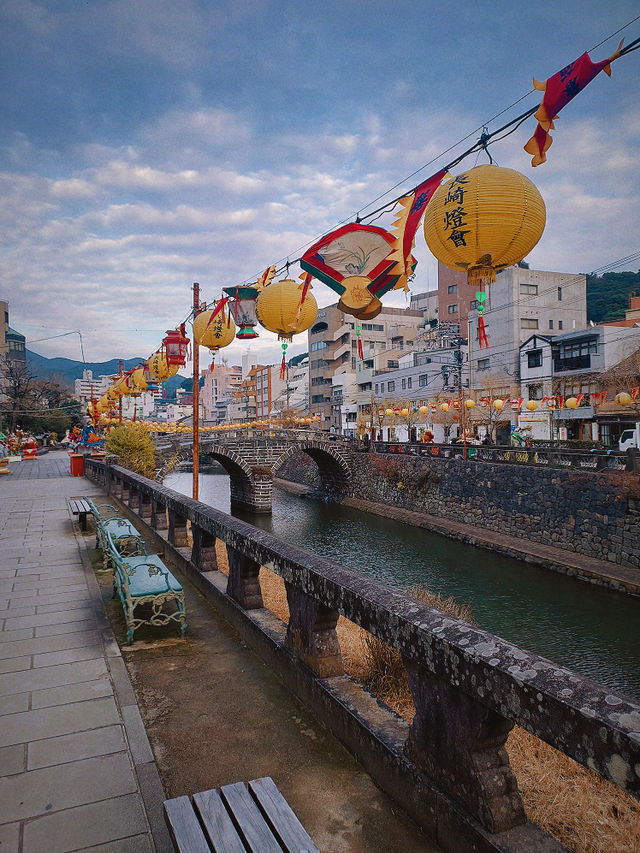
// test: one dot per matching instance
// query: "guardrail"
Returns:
(561, 457)
(449, 769)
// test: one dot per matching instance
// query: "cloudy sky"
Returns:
(147, 144)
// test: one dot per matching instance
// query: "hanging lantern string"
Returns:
(482, 143)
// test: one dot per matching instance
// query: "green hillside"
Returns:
(608, 295)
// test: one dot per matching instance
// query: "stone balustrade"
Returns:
(449, 769)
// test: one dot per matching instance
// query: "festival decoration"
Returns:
(558, 91)
(498, 405)
(469, 404)
(444, 407)
(159, 367)
(356, 262)
(243, 310)
(214, 328)
(286, 308)
(571, 403)
(531, 405)
(175, 346)
(623, 399)
(138, 379)
(484, 220)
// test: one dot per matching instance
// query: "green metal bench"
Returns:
(236, 819)
(124, 535)
(143, 581)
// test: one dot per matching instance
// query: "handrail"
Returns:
(575, 715)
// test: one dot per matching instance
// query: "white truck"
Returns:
(630, 438)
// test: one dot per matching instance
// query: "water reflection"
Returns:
(587, 629)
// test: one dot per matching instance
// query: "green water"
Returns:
(590, 630)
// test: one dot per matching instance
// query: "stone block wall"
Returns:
(593, 513)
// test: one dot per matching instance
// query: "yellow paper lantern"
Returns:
(280, 310)
(469, 404)
(484, 220)
(138, 380)
(531, 405)
(160, 368)
(112, 392)
(444, 407)
(404, 412)
(571, 403)
(122, 386)
(214, 333)
(423, 409)
(623, 399)
(498, 405)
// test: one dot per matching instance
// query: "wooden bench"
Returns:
(80, 507)
(237, 819)
(143, 580)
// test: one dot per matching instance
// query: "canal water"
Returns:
(593, 631)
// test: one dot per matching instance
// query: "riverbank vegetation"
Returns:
(583, 811)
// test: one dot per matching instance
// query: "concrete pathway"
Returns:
(76, 768)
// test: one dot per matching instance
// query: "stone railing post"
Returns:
(203, 552)
(158, 515)
(459, 743)
(145, 506)
(311, 633)
(124, 490)
(244, 584)
(177, 529)
(134, 497)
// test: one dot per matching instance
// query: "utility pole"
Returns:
(120, 372)
(196, 396)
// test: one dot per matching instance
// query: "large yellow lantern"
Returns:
(623, 399)
(122, 386)
(160, 368)
(444, 407)
(571, 403)
(214, 332)
(279, 308)
(484, 220)
(112, 392)
(531, 405)
(469, 404)
(423, 409)
(498, 405)
(138, 380)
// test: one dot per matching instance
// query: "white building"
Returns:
(87, 387)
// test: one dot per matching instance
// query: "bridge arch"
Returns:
(332, 467)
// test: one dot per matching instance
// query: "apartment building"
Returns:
(294, 395)
(333, 350)
(220, 383)
(89, 386)
(256, 395)
(12, 343)
(455, 298)
(522, 302)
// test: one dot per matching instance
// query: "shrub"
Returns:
(133, 444)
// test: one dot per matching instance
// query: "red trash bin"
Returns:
(77, 464)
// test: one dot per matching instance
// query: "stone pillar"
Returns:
(158, 515)
(177, 530)
(203, 553)
(459, 743)
(134, 498)
(311, 633)
(124, 491)
(145, 506)
(244, 584)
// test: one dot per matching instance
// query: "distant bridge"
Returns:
(252, 460)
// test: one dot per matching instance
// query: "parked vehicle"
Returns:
(630, 438)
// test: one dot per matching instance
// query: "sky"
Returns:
(146, 145)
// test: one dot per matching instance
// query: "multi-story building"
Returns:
(89, 386)
(333, 350)
(455, 297)
(294, 396)
(427, 303)
(520, 303)
(220, 383)
(571, 365)
(12, 343)
(256, 395)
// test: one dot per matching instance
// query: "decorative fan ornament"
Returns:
(356, 262)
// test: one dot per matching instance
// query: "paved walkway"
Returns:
(76, 768)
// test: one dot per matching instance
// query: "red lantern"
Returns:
(175, 346)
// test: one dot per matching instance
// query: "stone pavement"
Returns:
(76, 768)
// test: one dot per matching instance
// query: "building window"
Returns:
(534, 359)
(404, 384)
(318, 398)
(319, 345)
(529, 289)
(551, 324)
(528, 323)
(453, 288)
(409, 383)
(473, 304)
(423, 380)
(483, 364)
(559, 294)
(452, 309)
(391, 386)
(535, 391)
(377, 388)
(560, 324)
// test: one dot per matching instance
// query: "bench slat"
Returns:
(253, 828)
(281, 817)
(217, 823)
(184, 828)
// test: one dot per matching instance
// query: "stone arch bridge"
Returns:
(253, 461)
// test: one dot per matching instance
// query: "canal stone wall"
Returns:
(448, 769)
(592, 513)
